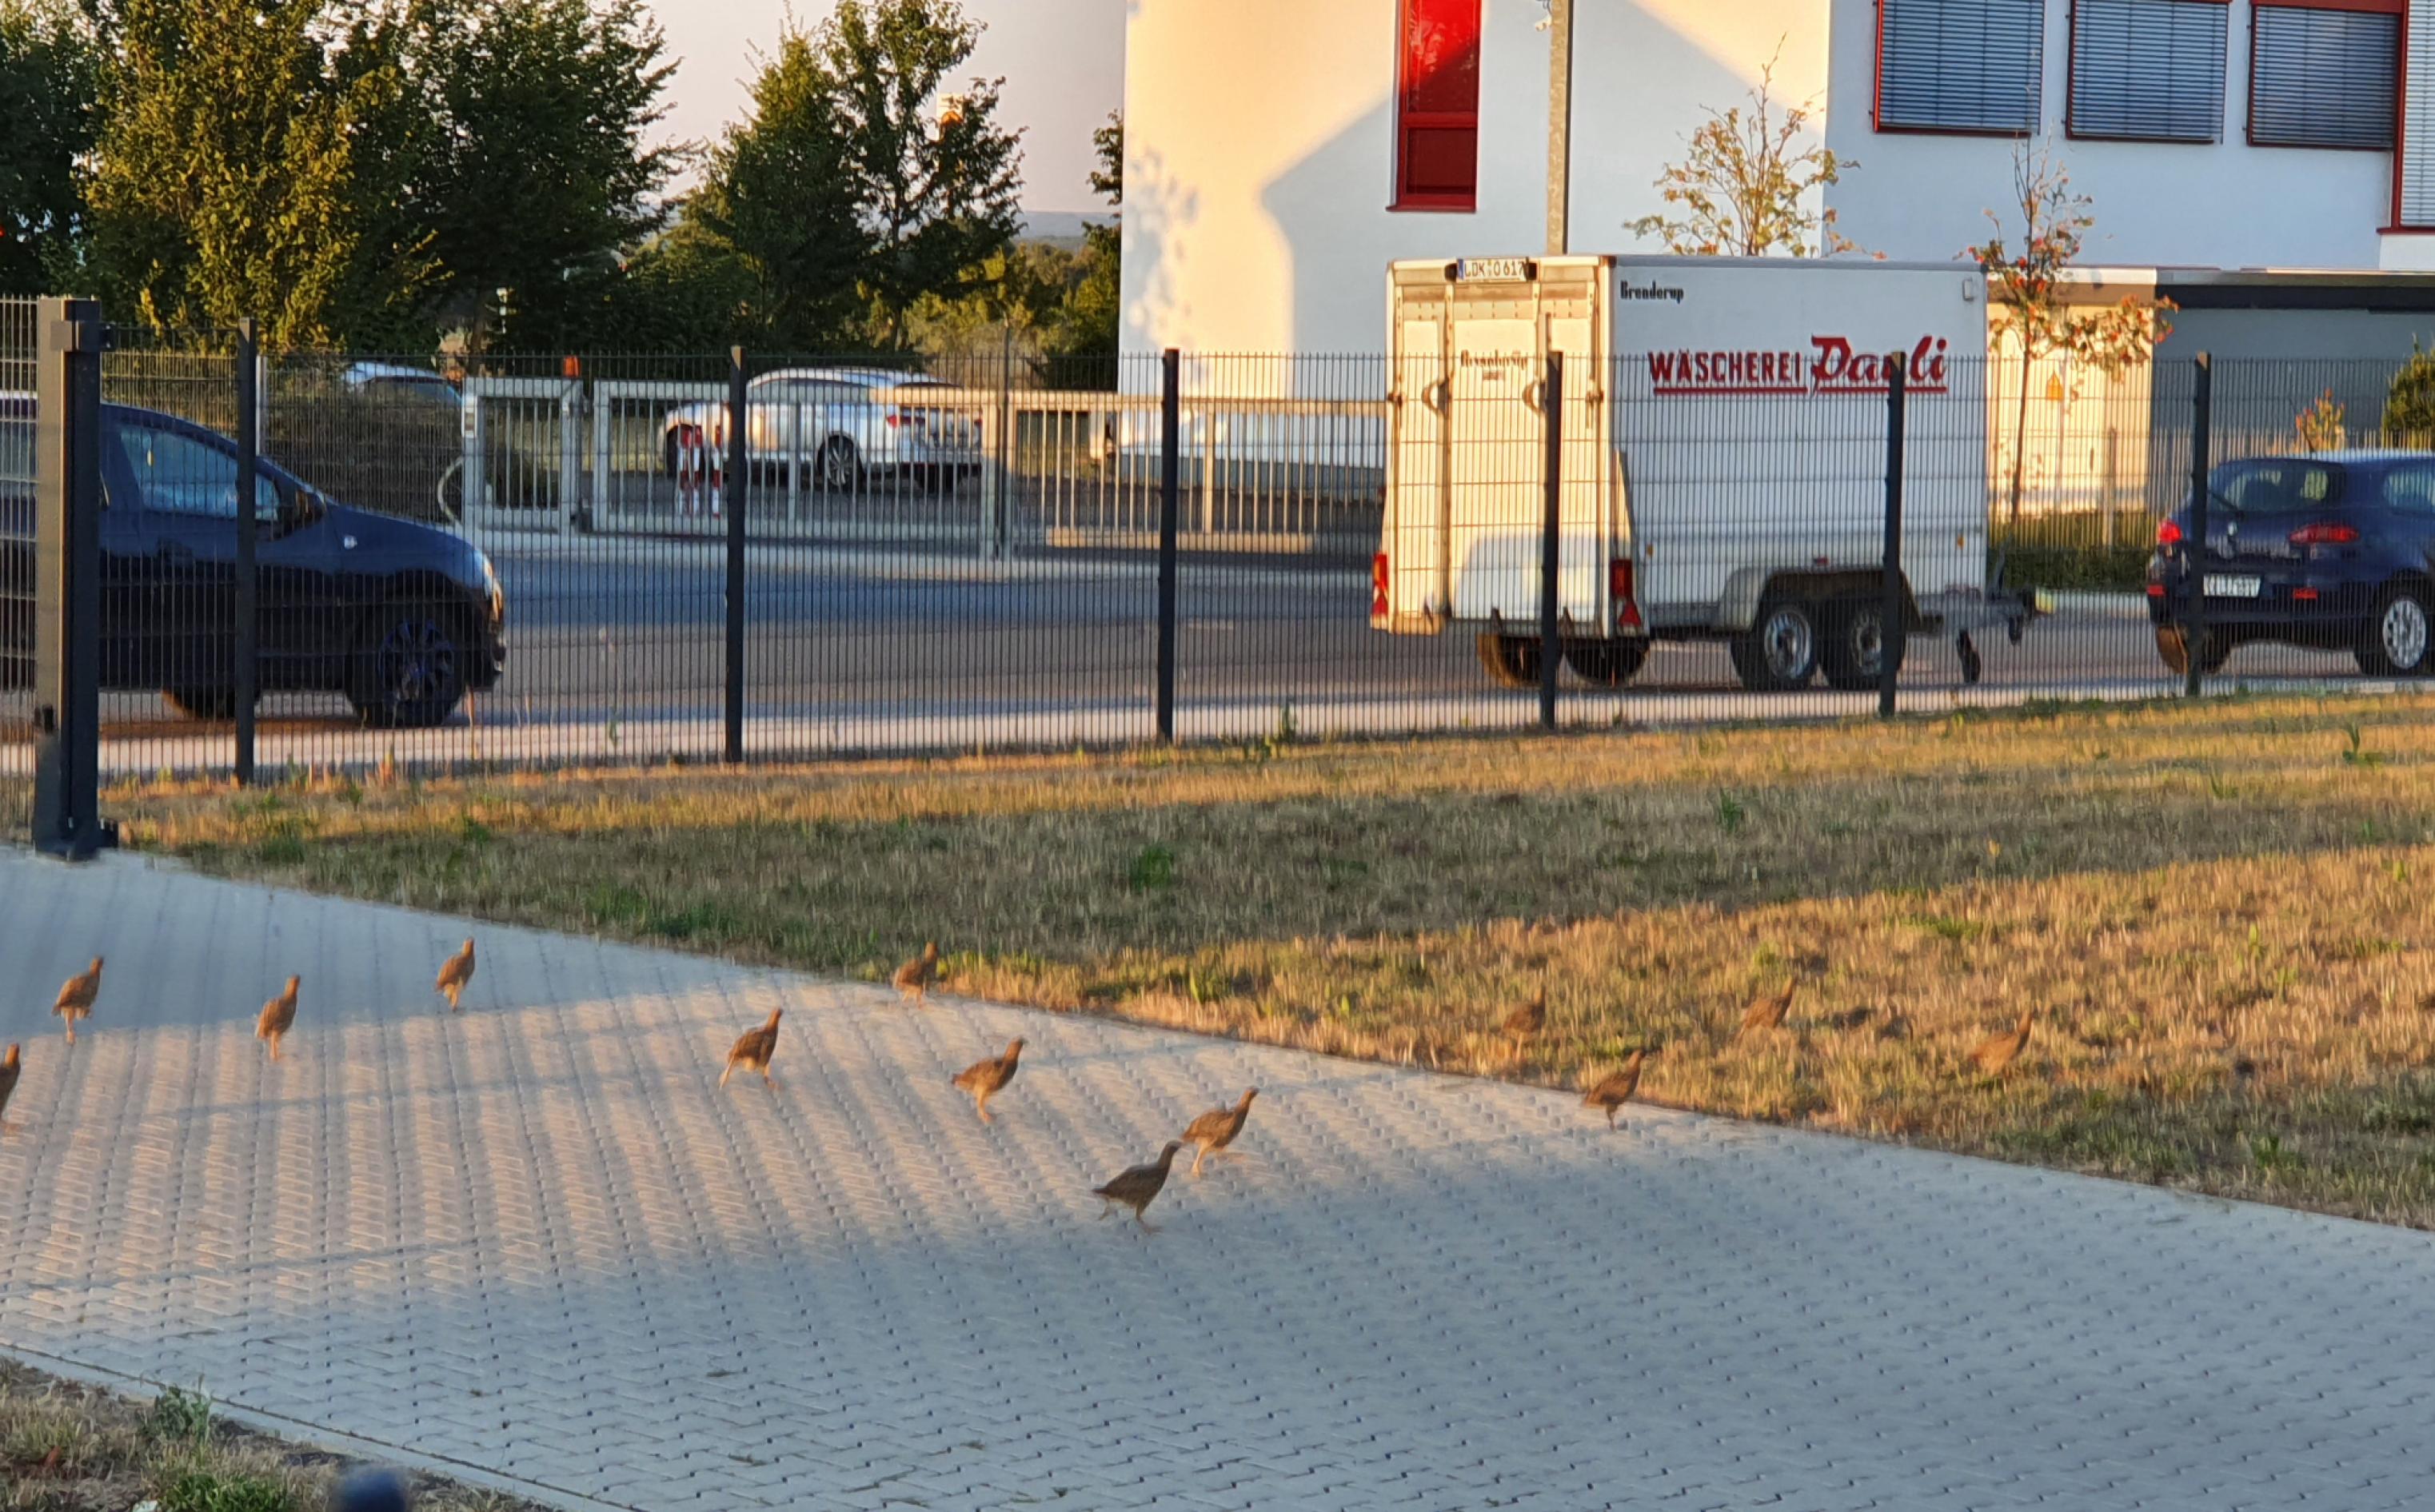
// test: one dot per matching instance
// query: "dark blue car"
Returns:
(401, 618)
(2334, 551)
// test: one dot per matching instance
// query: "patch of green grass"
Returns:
(222, 1492)
(1152, 870)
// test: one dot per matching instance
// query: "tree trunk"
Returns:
(2020, 437)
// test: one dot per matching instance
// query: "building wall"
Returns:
(2224, 205)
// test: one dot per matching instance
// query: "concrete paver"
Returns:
(537, 1238)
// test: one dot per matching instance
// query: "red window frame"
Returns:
(1412, 118)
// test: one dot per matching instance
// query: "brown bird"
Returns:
(1531, 1017)
(1767, 1012)
(77, 995)
(1999, 1052)
(1214, 1130)
(914, 978)
(9, 1069)
(985, 1079)
(754, 1049)
(1615, 1087)
(1137, 1186)
(453, 973)
(278, 1017)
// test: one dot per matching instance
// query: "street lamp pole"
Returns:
(1559, 125)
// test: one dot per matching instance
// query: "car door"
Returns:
(184, 482)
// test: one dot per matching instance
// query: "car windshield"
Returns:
(2273, 485)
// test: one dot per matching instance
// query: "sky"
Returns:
(1064, 62)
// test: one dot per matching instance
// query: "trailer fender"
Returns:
(1737, 610)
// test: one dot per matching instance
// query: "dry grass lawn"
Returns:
(2218, 913)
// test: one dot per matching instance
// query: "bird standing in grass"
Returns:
(8, 1070)
(1214, 1130)
(278, 1017)
(1767, 1012)
(453, 973)
(914, 978)
(1137, 1185)
(1998, 1053)
(754, 1049)
(1525, 1021)
(985, 1079)
(1615, 1087)
(77, 995)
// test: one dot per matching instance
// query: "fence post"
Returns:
(67, 580)
(1170, 441)
(1893, 622)
(737, 491)
(1552, 535)
(2194, 630)
(249, 535)
(1000, 486)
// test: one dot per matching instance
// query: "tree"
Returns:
(48, 77)
(1746, 188)
(937, 195)
(2409, 401)
(688, 290)
(779, 192)
(1091, 315)
(2026, 290)
(536, 175)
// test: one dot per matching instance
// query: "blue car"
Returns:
(2334, 551)
(401, 619)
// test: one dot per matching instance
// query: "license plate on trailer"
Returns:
(1494, 270)
(2223, 587)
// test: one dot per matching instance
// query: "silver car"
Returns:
(840, 426)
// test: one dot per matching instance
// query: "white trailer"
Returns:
(1724, 449)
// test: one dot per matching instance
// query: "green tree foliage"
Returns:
(689, 290)
(2410, 402)
(937, 191)
(1092, 311)
(48, 69)
(1747, 187)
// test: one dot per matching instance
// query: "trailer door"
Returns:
(1414, 541)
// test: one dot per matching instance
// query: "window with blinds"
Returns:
(1960, 65)
(2323, 79)
(2152, 70)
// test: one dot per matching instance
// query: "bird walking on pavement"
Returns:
(1213, 1131)
(1137, 1185)
(985, 1079)
(77, 996)
(1615, 1087)
(453, 973)
(1994, 1054)
(9, 1068)
(914, 978)
(754, 1049)
(278, 1017)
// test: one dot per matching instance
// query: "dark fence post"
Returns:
(1893, 622)
(1551, 538)
(1171, 447)
(2194, 631)
(737, 463)
(249, 535)
(67, 580)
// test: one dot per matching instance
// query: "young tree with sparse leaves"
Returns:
(2026, 290)
(1751, 185)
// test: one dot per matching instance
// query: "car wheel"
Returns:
(1855, 651)
(409, 666)
(840, 466)
(2394, 641)
(1605, 663)
(1511, 660)
(214, 704)
(1779, 653)
(2172, 648)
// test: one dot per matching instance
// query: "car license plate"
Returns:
(2223, 587)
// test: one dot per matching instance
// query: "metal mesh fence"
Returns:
(16, 530)
(610, 558)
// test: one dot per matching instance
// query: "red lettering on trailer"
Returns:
(1831, 366)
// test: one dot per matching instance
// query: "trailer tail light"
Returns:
(2325, 533)
(1618, 588)
(1379, 586)
(2303, 596)
(2168, 533)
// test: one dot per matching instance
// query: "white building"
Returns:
(1279, 153)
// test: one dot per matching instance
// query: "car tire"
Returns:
(840, 466)
(2172, 648)
(1855, 647)
(1511, 660)
(2399, 636)
(214, 704)
(411, 660)
(1605, 663)
(1779, 652)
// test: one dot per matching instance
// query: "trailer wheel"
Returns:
(1779, 652)
(1511, 660)
(1606, 664)
(1857, 647)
